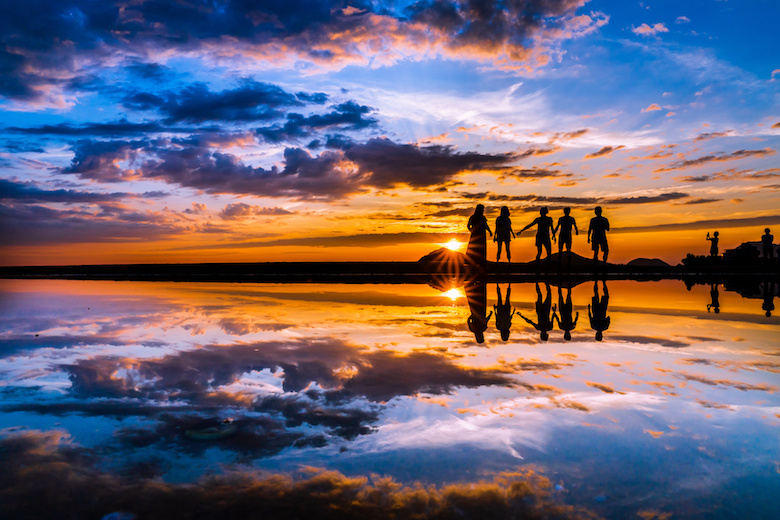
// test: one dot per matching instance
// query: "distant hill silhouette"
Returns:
(444, 256)
(647, 262)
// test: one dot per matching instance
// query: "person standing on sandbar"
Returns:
(565, 223)
(543, 225)
(476, 252)
(504, 233)
(597, 235)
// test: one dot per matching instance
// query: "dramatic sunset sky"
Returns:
(300, 130)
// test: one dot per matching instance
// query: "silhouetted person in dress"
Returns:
(767, 245)
(565, 307)
(597, 235)
(504, 233)
(504, 313)
(714, 299)
(476, 294)
(544, 226)
(769, 298)
(543, 307)
(597, 310)
(713, 243)
(565, 223)
(477, 249)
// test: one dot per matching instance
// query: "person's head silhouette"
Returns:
(567, 335)
(599, 335)
(543, 211)
(505, 334)
(544, 335)
(479, 336)
(504, 211)
(598, 211)
(716, 233)
(766, 231)
(479, 210)
(566, 211)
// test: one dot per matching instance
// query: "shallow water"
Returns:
(674, 411)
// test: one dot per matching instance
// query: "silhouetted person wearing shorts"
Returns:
(565, 307)
(504, 233)
(565, 223)
(543, 307)
(767, 245)
(504, 313)
(597, 235)
(544, 226)
(477, 249)
(713, 243)
(599, 321)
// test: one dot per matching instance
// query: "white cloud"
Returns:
(648, 30)
(682, 19)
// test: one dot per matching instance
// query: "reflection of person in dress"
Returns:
(476, 294)
(544, 226)
(543, 307)
(714, 297)
(599, 321)
(504, 313)
(504, 233)
(477, 249)
(565, 307)
(769, 298)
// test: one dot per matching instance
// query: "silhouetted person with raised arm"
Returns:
(769, 298)
(504, 233)
(713, 243)
(565, 308)
(597, 235)
(544, 226)
(767, 245)
(565, 223)
(477, 249)
(597, 310)
(476, 294)
(543, 307)
(504, 313)
(714, 299)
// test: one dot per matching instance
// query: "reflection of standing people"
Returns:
(504, 312)
(714, 299)
(713, 243)
(565, 307)
(769, 298)
(504, 233)
(767, 245)
(597, 234)
(565, 223)
(476, 294)
(543, 225)
(599, 321)
(545, 324)
(477, 248)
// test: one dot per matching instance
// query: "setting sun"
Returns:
(453, 245)
(453, 294)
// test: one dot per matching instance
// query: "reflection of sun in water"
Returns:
(453, 294)
(453, 245)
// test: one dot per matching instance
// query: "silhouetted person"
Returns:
(565, 223)
(504, 313)
(544, 226)
(767, 245)
(504, 233)
(477, 249)
(599, 321)
(713, 243)
(476, 294)
(769, 298)
(714, 299)
(597, 235)
(565, 307)
(543, 307)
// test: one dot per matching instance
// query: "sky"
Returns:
(300, 130)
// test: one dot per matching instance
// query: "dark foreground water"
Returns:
(183, 400)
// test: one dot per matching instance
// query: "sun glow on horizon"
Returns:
(454, 294)
(454, 245)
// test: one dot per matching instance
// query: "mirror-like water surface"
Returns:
(618, 399)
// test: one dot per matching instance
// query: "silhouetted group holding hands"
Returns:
(545, 234)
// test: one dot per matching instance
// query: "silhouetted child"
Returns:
(504, 233)
(565, 322)
(504, 313)
(565, 223)
(768, 246)
(713, 243)
(543, 225)
(477, 249)
(545, 324)
(597, 235)
(599, 321)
